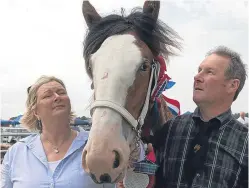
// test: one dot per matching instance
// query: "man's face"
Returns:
(210, 84)
(242, 114)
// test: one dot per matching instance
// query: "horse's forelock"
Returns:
(159, 37)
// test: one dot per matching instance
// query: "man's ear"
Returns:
(233, 85)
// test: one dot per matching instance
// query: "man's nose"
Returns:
(198, 77)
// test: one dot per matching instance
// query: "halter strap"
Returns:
(118, 108)
(147, 99)
(122, 111)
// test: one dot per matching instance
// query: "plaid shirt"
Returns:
(226, 164)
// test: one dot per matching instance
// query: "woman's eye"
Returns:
(62, 93)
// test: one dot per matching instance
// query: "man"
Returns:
(207, 148)
(243, 119)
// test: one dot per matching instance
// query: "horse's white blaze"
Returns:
(114, 68)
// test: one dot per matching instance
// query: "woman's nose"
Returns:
(56, 96)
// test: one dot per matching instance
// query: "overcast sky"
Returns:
(44, 37)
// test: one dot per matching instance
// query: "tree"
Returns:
(236, 115)
(84, 118)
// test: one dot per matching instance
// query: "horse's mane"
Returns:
(158, 36)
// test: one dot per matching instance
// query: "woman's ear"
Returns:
(35, 114)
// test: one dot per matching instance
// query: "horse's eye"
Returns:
(144, 66)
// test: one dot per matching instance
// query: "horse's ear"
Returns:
(90, 14)
(152, 8)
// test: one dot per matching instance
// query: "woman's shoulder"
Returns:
(17, 150)
(82, 137)
(83, 134)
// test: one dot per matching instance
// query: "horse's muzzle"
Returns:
(106, 167)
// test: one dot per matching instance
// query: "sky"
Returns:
(44, 37)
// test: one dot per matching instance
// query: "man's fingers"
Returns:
(150, 147)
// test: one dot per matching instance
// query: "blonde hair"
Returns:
(29, 120)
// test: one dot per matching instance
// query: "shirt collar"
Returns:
(33, 142)
(223, 117)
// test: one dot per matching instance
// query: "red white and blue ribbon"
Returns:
(173, 105)
(164, 82)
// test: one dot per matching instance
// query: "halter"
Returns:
(135, 123)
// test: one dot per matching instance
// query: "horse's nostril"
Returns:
(116, 160)
(105, 178)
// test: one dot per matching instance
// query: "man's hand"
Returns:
(120, 185)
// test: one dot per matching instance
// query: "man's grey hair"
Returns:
(236, 70)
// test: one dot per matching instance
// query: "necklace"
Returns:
(56, 148)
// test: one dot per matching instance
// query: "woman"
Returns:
(51, 158)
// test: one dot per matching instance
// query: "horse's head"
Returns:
(119, 54)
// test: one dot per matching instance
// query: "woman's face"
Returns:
(52, 101)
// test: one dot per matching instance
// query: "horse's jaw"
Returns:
(107, 152)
